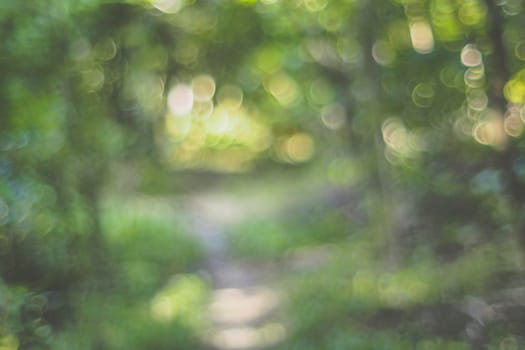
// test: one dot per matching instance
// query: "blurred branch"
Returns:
(499, 64)
(505, 161)
(367, 36)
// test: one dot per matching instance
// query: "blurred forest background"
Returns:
(385, 139)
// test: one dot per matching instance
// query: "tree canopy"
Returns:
(417, 105)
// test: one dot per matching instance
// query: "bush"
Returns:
(148, 247)
(173, 318)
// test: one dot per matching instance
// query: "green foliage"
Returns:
(349, 339)
(148, 246)
(260, 239)
(113, 322)
(24, 313)
(355, 289)
(362, 339)
(426, 96)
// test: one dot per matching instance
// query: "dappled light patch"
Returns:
(183, 298)
(402, 289)
(9, 342)
(242, 306)
(199, 133)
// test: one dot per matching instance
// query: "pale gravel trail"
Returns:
(244, 307)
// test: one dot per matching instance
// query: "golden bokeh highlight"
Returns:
(421, 36)
(203, 109)
(168, 6)
(283, 88)
(490, 130)
(197, 133)
(180, 99)
(471, 56)
(297, 148)
(230, 97)
(203, 88)
(400, 142)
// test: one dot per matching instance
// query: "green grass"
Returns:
(154, 302)
(331, 306)
(263, 239)
(172, 318)
(149, 246)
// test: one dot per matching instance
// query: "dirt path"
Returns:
(244, 306)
